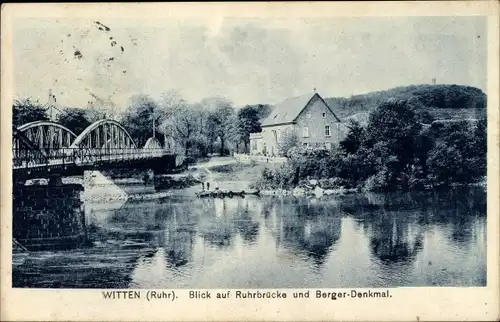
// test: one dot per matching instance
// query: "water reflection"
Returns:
(306, 226)
(368, 240)
(394, 239)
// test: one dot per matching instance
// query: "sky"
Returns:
(248, 61)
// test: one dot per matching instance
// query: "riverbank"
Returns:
(226, 174)
(237, 176)
(314, 187)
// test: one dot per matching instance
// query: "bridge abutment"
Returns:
(48, 216)
(117, 184)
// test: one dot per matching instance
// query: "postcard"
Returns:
(250, 161)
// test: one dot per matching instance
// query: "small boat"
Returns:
(225, 193)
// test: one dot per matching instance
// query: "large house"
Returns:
(309, 116)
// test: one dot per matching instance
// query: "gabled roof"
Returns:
(288, 110)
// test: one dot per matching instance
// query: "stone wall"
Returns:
(258, 158)
(48, 216)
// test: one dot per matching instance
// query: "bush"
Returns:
(333, 183)
(378, 182)
(282, 177)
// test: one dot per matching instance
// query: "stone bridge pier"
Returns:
(52, 214)
(48, 216)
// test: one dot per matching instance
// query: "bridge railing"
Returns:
(25, 158)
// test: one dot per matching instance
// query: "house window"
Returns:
(327, 130)
(305, 132)
(308, 115)
(323, 115)
(304, 144)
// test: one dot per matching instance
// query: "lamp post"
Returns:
(154, 125)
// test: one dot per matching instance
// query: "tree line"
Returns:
(212, 125)
(427, 101)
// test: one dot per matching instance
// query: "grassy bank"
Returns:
(241, 171)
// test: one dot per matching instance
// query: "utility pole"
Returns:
(50, 105)
(154, 124)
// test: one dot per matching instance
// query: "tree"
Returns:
(459, 155)
(248, 122)
(354, 138)
(26, 111)
(446, 164)
(235, 134)
(94, 113)
(423, 145)
(75, 119)
(394, 123)
(479, 147)
(221, 119)
(290, 139)
(185, 125)
(141, 117)
(263, 110)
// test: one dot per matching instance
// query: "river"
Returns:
(356, 240)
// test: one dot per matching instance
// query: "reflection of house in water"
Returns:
(216, 225)
(226, 217)
(245, 225)
(305, 228)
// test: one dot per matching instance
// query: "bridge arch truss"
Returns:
(104, 134)
(47, 136)
(47, 145)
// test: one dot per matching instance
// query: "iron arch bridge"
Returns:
(47, 146)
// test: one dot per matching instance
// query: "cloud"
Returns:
(245, 60)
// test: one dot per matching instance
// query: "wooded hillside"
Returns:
(436, 101)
